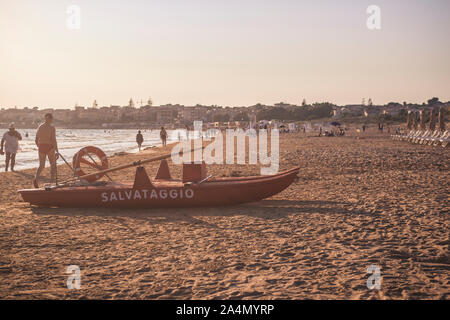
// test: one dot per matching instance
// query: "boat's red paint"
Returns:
(144, 193)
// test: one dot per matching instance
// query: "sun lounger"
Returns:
(397, 136)
(437, 140)
(445, 139)
(425, 136)
(415, 135)
(421, 136)
(409, 135)
(428, 139)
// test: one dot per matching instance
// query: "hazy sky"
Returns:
(228, 52)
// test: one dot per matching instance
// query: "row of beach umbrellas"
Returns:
(416, 120)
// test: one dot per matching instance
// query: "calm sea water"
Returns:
(71, 141)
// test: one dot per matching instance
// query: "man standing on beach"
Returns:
(10, 140)
(139, 139)
(47, 147)
(163, 135)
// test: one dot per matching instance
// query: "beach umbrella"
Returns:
(432, 120)
(409, 120)
(441, 119)
(414, 121)
(417, 120)
(422, 120)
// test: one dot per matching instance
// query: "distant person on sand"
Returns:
(163, 135)
(10, 140)
(187, 132)
(380, 127)
(139, 139)
(47, 147)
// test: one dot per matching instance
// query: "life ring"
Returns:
(84, 156)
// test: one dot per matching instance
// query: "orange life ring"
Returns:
(87, 152)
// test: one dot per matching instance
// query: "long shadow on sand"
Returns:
(265, 209)
(26, 175)
(42, 179)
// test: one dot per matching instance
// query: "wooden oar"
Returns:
(125, 166)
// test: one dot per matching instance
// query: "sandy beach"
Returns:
(359, 201)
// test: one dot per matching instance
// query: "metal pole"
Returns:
(73, 170)
(95, 162)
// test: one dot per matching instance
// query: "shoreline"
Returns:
(70, 143)
(61, 163)
(118, 153)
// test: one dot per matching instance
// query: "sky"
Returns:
(228, 53)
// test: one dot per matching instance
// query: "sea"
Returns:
(70, 141)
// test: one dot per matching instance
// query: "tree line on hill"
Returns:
(298, 113)
(322, 110)
(294, 113)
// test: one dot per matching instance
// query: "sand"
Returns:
(358, 202)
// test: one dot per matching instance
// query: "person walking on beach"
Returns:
(163, 135)
(139, 139)
(187, 132)
(47, 147)
(10, 140)
(380, 127)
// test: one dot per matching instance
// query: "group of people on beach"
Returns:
(45, 142)
(47, 146)
(162, 135)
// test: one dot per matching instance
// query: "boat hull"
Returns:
(220, 192)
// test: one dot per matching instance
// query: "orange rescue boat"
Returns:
(194, 190)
